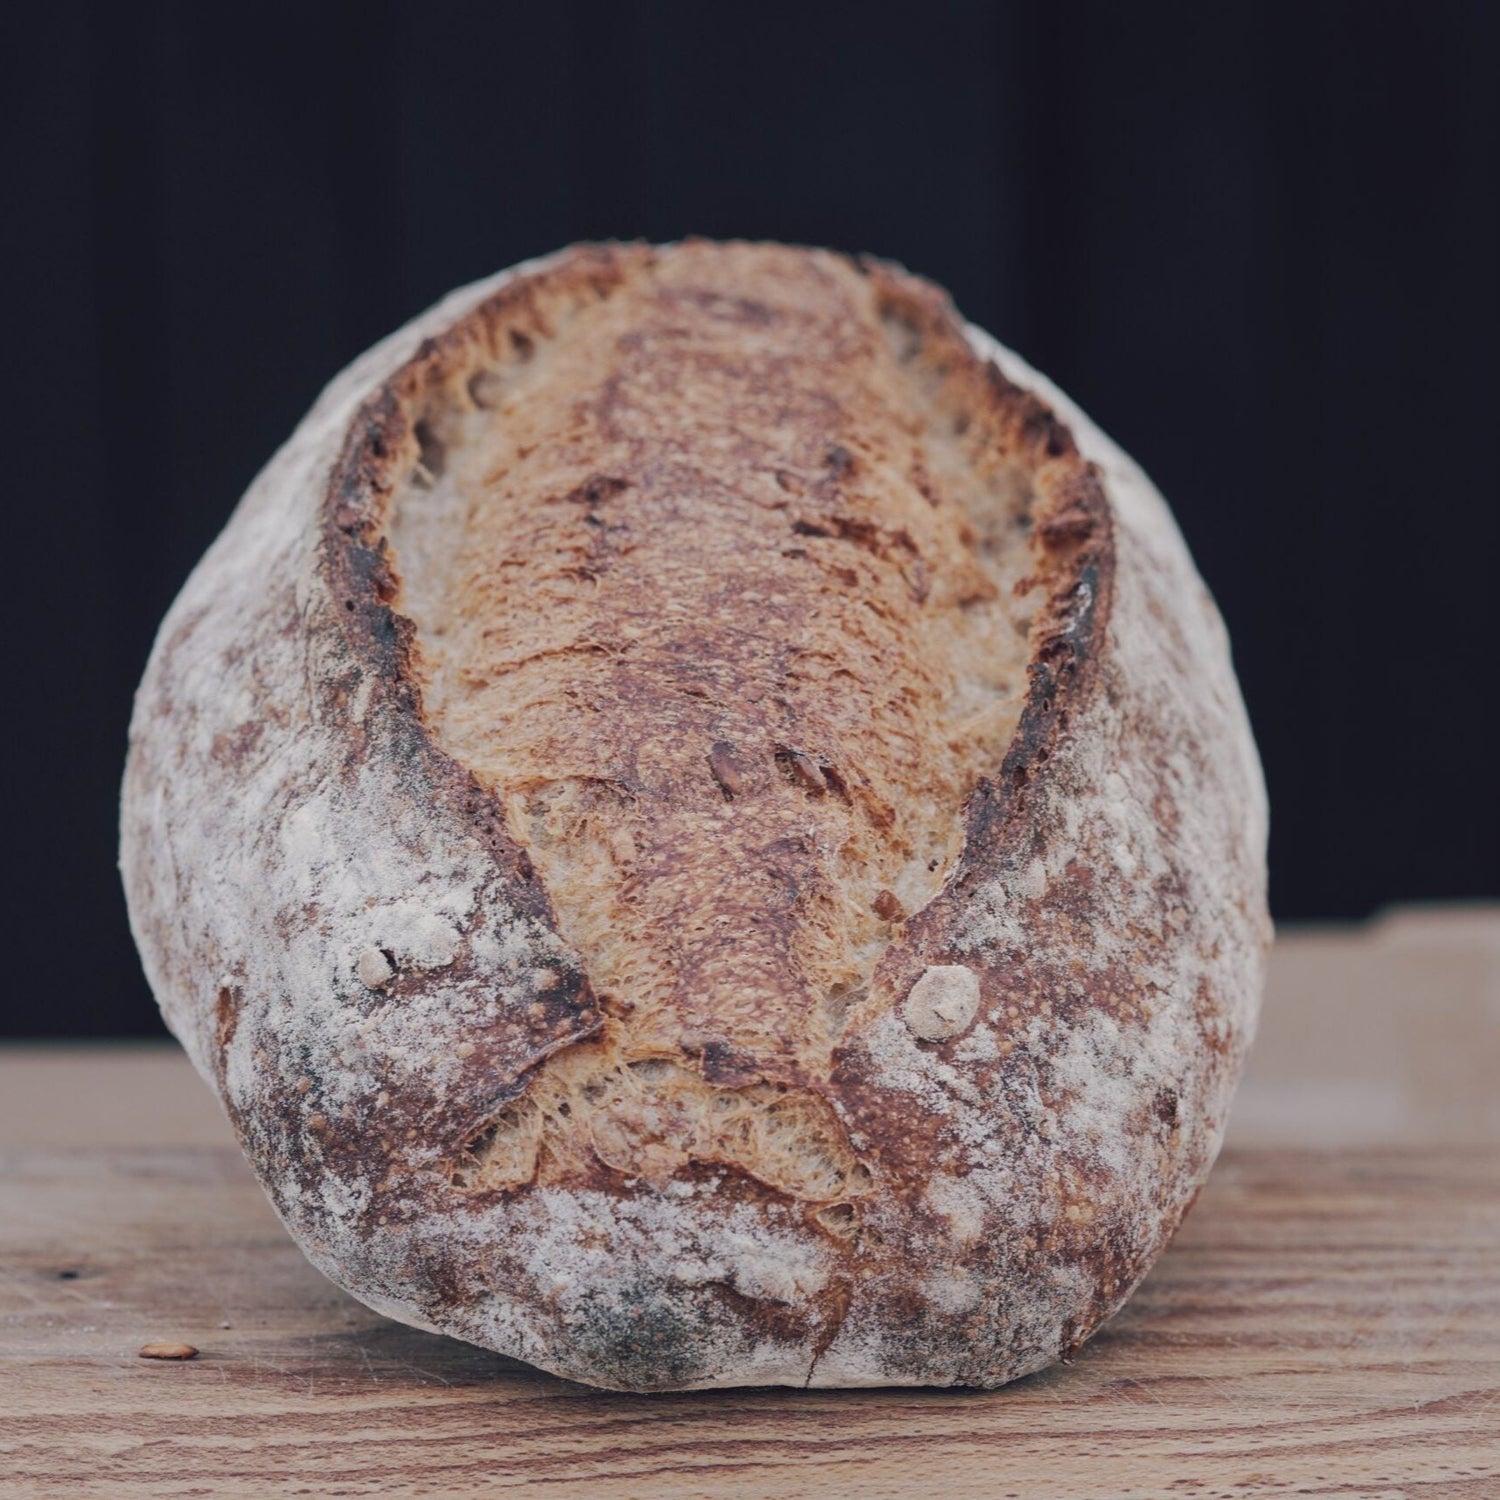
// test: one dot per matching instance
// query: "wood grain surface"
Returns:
(1327, 1323)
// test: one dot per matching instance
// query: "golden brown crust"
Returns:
(710, 991)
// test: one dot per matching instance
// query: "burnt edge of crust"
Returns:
(1074, 567)
(1076, 532)
(355, 557)
(376, 644)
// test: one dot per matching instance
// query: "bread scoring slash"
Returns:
(699, 820)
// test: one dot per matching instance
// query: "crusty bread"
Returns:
(699, 820)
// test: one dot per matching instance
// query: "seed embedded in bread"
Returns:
(942, 1003)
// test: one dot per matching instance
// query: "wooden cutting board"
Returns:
(1327, 1323)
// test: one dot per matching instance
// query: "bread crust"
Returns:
(363, 959)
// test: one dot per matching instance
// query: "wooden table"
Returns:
(1327, 1322)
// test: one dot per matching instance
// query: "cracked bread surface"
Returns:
(699, 820)
(716, 591)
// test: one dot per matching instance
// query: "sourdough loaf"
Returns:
(699, 820)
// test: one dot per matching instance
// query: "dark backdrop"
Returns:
(1258, 243)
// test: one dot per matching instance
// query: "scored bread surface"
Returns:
(690, 602)
(700, 839)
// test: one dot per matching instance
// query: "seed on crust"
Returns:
(942, 1003)
(374, 968)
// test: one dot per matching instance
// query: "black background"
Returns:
(1258, 243)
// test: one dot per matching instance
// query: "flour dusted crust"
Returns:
(831, 967)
